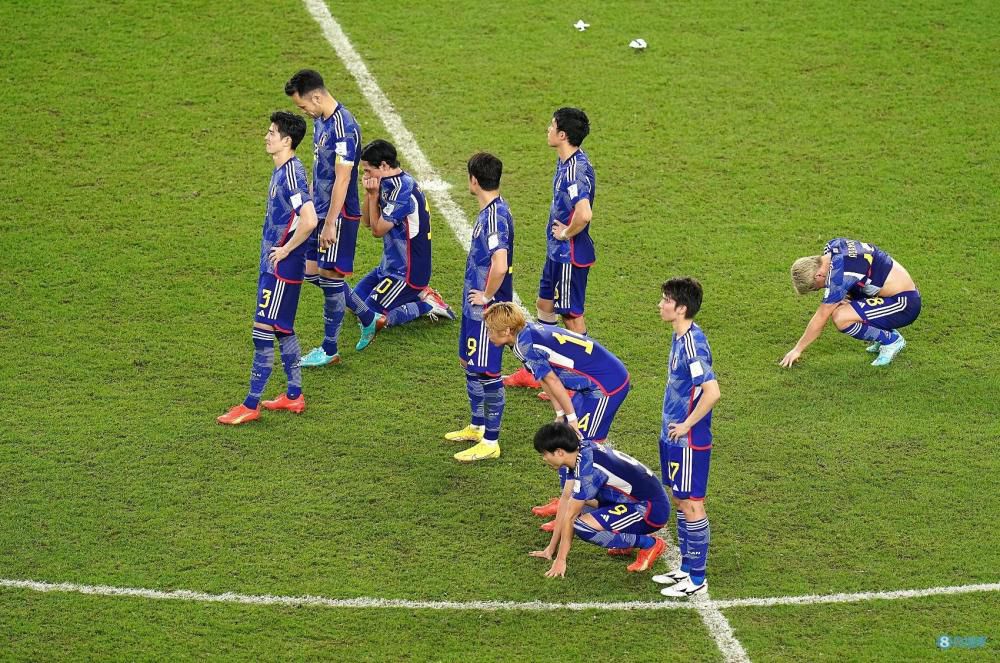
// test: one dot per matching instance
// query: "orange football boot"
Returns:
(238, 414)
(547, 510)
(283, 402)
(647, 556)
(522, 378)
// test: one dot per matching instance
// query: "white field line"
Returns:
(435, 188)
(495, 606)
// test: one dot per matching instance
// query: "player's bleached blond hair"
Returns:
(502, 316)
(804, 273)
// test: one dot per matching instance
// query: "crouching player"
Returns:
(289, 222)
(628, 500)
(867, 293)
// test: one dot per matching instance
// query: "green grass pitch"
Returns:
(745, 136)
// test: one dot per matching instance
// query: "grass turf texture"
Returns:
(741, 139)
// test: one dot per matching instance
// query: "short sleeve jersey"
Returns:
(578, 361)
(573, 181)
(612, 477)
(857, 270)
(287, 192)
(494, 231)
(406, 248)
(336, 141)
(689, 367)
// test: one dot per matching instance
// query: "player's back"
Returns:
(860, 266)
(627, 478)
(580, 355)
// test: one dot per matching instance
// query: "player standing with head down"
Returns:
(867, 293)
(686, 434)
(330, 249)
(289, 221)
(487, 280)
(569, 254)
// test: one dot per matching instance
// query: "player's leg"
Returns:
(890, 313)
(850, 318)
(544, 305)
(572, 289)
(340, 258)
(483, 361)
(401, 302)
(312, 246)
(595, 411)
(468, 347)
(623, 526)
(689, 485)
(288, 345)
(371, 318)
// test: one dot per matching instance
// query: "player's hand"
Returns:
(370, 184)
(558, 569)
(478, 298)
(790, 358)
(558, 229)
(278, 254)
(544, 554)
(677, 431)
(328, 237)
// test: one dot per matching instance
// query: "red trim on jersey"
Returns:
(649, 507)
(572, 244)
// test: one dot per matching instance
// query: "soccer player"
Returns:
(290, 219)
(570, 251)
(395, 209)
(330, 249)
(629, 502)
(561, 359)
(686, 434)
(487, 280)
(867, 293)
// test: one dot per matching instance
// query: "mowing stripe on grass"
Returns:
(435, 188)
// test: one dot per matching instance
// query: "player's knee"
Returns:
(844, 316)
(261, 325)
(331, 274)
(544, 305)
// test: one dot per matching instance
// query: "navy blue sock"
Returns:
(311, 278)
(699, 535)
(358, 306)
(607, 539)
(290, 353)
(494, 399)
(333, 312)
(263, 362)
(682, 541)
(866, 332)
(475, 390)
(403, 314)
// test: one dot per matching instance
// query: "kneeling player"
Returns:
(289, 221)
(628, 500)
(867, 293)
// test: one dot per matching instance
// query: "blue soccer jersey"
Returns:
(336, 141)
(287, 192)
(689, 367)
(579, 362)
(612, 477)
(406, 249)
(494, 230)
(573, 181)
(857, 270)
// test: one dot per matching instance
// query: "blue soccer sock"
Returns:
(290, 353)
(607, 539)
(357, 305)
(311, 278)
(866, 332)
(699, 535)
(333, 312)
(494, 399)
(476, 398)
(403, 314)
(682, 541)
(263, 362)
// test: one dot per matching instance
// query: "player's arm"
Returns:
(582, 215)
(812, 332)
(561, 402)
(569, 514)
(307, 223)
(498, 270)
(337, 198)
(710, 395)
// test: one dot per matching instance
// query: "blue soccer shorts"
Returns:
(475, 349)
(383, 292)
(889, 312)
(566, 285)
(340, 256)
(685, 470)
(277, 301)
(595, 411)
(633, 518)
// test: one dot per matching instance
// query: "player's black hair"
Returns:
(378, 151)
(487, 170)
(574, 122)
(303, 82)
(685, 291)
(554, 436)
(290, 125)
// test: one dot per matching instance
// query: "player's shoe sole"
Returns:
(283, 402)
(684, 589)
(369, 333)
(644, 560)
(238, 414)
(317, 357)
(521, 378)
(874, 347)
(468, 434)
(670, 577)
(888, 352)
(481, 451)
(547, 510)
